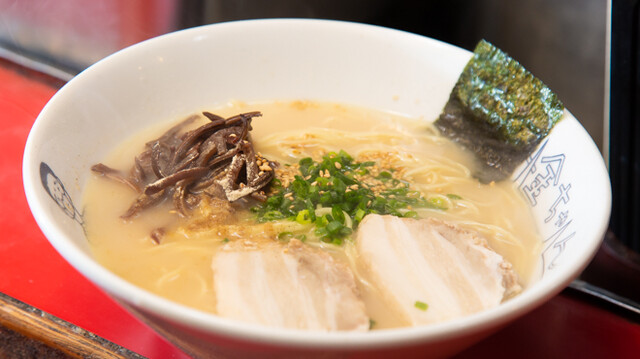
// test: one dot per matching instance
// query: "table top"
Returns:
(33, 272)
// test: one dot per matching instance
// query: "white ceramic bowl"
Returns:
(565, 180)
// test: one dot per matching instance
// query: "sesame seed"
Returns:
(338, 165)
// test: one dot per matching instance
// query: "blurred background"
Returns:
(561, 42)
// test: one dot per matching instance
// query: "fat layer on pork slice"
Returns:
(427, 261)
(287, 285)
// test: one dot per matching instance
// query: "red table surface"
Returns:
(33, 272)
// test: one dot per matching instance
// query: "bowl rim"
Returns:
(212, 324)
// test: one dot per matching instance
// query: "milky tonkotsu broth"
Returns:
(180, 267)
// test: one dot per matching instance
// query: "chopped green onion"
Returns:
(421, 305)
(272, 216)
(437, 203)
(334, 226)
(285, 235)
(338, 214)
(410, 214)
(303, 217)
(331, 183)
(384, 175)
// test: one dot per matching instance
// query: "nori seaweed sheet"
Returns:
(499, 111)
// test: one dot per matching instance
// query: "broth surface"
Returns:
(180, 267)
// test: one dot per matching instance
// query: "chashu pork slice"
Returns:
(429, 271)
(287, 285)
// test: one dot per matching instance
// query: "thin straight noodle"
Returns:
(323, 135)
(497, 231)
(182, 271)
(351, 255)
(497, 201)
(169, 276)
(326, 137)
(458, 169)
(183, 246)
(465, 208)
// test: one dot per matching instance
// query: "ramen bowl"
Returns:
(564, 181)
